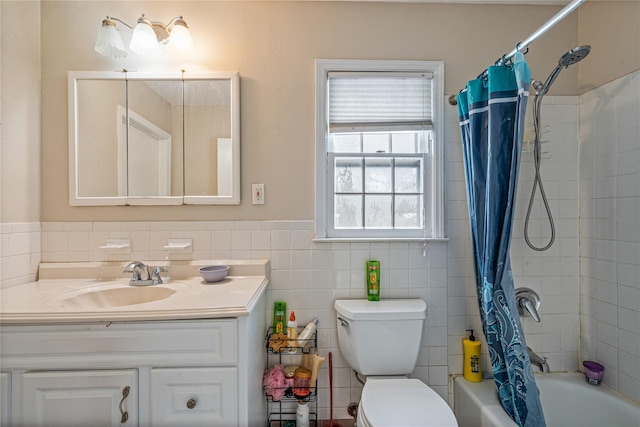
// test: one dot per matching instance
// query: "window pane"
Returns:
(346, 143)
(375, 142)
(404, 142)
(408, 177)
(348, 211)
(348, 175)
(378, 211)
(377, 175)
(408, 212)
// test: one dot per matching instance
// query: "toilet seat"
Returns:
(403, 402)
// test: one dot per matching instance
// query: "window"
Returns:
(379, 149)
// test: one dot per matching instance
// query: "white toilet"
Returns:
(382, 340)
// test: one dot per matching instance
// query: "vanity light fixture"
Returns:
(147, 37)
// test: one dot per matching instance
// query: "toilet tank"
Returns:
(380, 337)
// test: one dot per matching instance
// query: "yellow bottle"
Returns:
(472, 369)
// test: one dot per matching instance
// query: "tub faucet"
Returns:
(540, 362)
(136, 267)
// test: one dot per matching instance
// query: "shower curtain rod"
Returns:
(526, 42)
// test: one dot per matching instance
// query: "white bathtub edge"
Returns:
(481, 407)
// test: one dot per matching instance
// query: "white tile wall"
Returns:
(19, 253)
(610, 231)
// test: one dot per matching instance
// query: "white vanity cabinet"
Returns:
(179, 373)
(79, 398)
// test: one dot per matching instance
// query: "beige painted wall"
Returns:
(613, 31)
(20, 112)
(273, 45)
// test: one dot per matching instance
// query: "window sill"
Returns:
(378, 239)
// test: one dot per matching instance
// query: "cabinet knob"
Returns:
(191, 403)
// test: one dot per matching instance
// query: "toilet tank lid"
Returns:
(390, 309)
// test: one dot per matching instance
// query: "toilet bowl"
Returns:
(402, 403)
(382, 340)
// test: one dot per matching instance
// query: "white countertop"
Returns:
(47, 300)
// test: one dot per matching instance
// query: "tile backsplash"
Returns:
(20, 252)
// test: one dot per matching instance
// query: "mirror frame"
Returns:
(74, 197)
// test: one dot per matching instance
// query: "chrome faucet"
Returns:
(136, 267)
(540, 362)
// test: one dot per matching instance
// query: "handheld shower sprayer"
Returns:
(574, 55)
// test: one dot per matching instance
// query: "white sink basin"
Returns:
(119, 296)
(99, 291)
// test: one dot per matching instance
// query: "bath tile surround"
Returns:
(609, 165)
(587, 282)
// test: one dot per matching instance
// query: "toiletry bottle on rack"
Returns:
(472, 369)
(373, 280)
(307, 333)
(302, 414)
(279, 313)
(292, 332)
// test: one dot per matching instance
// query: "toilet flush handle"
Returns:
(343, 321)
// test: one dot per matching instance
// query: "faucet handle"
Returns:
(527, 299)
(155, 275)
(526, 303)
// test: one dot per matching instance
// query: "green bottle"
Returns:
(279, 322)
(373, 280)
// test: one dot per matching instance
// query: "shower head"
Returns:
(574, 55)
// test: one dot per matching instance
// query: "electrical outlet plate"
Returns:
(257, 194)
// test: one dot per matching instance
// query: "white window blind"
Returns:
(372, 101)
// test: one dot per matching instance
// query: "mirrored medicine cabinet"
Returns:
(153, 139)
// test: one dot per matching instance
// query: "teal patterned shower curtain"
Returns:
(492, 112)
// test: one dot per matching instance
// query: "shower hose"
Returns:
(537, 181)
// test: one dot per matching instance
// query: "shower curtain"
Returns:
(492, 114)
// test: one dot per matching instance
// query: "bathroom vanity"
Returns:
(193, 356)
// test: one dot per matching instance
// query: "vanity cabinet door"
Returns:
(5, 398)
(80, 398)
(194, 397)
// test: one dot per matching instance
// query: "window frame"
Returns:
(433, 190)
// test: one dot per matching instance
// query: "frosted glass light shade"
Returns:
(144, 41)
(180, 37)
(109, 42)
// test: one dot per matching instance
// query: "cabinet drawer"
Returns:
(116, 345)
(194, 397)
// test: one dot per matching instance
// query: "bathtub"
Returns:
(567, 401)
